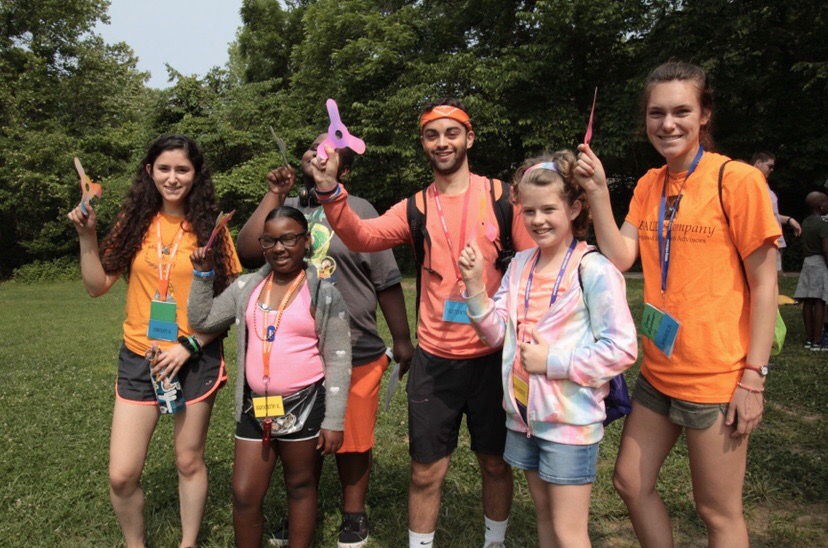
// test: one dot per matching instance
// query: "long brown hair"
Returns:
(143, 202)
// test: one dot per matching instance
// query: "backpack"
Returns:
(419, 234)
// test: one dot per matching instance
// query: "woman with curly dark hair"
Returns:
(169, 212)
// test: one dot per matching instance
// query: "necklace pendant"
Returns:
(271, 333)
(165, 250)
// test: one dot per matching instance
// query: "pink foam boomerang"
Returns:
(88, 188)
(338, 134)
(221, 221)
(588, 135)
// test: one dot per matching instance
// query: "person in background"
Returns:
(766, 162)
(812, 287)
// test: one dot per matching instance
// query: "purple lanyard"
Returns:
(664, 243)
(558, 280)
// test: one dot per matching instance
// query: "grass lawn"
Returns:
(58, 355)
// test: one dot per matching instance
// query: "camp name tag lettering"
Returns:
(162, 324)
(456, 312)
(661, 328)
(270, 406)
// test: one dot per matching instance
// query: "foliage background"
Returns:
(526, 69)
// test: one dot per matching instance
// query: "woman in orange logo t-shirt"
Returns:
(708, 322)
(169, 211)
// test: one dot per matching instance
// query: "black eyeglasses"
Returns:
(287, 240)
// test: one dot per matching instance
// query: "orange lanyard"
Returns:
(164, 274)
(271, 328)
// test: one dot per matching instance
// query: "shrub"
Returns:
(63, 269)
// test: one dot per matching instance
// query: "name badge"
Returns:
(270, 406)
(661, 328)
(521, 390)
(456, 312)
(162, 324)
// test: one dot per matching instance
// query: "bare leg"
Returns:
(132, 428)
(808, 320)
(190, 437)
(425, 494)
(498, 485)
(646, 441)
(354, 474)
(569, 505)
(717, 465)
(543, 509)
(300, 464)
(252, 468)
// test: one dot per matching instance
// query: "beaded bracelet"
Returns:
(751, 390)
(205, 274)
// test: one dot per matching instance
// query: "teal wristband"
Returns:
(206, 274)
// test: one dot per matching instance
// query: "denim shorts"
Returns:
(557, 463)
(679, 412)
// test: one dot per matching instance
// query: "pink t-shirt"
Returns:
(295, 361)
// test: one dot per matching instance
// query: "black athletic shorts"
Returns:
(200, 376)
(249, 429)
(441, 391)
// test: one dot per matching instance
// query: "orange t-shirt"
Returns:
(143, 281)
(445, 339)
(706, 287)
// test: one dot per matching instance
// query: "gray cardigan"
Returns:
(208, 314)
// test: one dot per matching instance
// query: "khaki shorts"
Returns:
(679, 412)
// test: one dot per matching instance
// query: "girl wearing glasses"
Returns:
(294, 353)
(706, 235)
(170, 209)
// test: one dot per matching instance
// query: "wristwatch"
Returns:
(761, 369)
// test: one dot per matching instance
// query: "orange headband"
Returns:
(445, 111)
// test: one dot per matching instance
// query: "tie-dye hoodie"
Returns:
(592, 338)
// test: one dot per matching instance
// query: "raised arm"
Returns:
(279, 181)
(619, 245)
(95, 279)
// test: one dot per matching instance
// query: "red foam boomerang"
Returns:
(338, 134)
(88, 188)
(588, 135)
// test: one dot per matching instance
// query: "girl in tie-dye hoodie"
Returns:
(561, 315)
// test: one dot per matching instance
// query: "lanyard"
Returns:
(164, 274)
(271, 328)
(446, 230)
(558, 280)
(664, 243)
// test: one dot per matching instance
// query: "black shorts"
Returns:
(248, 428)
(440, 391)
(200, 376)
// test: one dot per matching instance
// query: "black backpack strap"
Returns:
(419, 237)
(721, 200)
(504, 213)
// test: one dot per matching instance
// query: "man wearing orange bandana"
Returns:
(452, 373)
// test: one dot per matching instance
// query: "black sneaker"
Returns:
(353, 533)
(280, 537)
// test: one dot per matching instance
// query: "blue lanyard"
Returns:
(558, 280)
(664, 244)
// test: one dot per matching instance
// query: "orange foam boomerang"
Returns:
(221, 221)
(88, 188)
